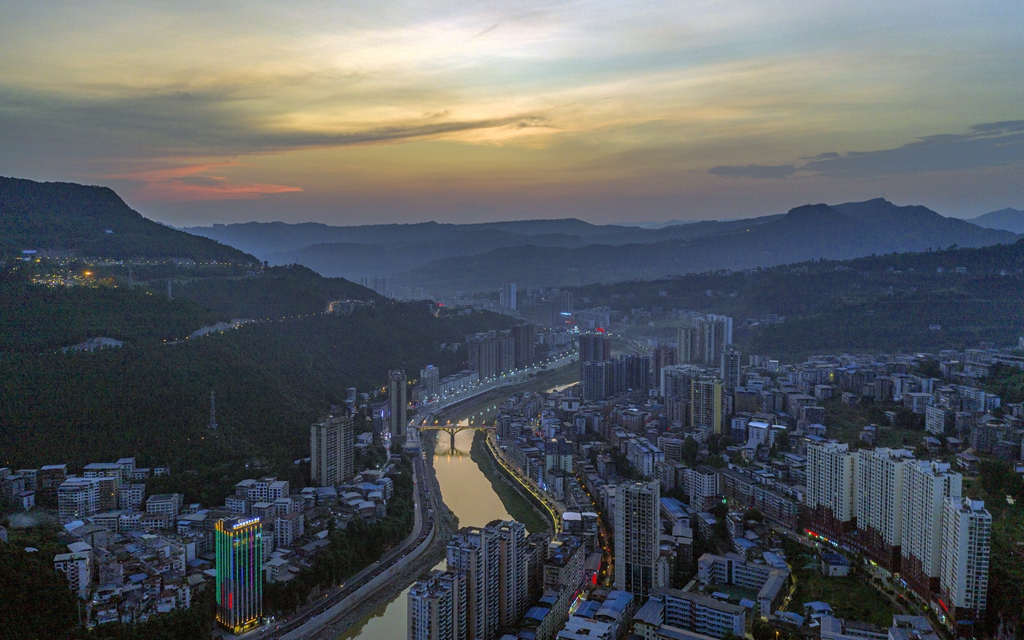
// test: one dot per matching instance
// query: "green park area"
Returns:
(851, 598)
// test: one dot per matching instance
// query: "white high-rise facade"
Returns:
(331, 451)
(512, 571)
(925, 489)
(508, 296)
(832, 485)
(78, 498)
(492, 563)
(964, 560)
(638, 537)
(880, 477)
(437, 608)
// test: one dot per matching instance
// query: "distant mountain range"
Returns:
(805, 233)
(444, 258)
(94, 222)
(1007, 219)
(378, 250)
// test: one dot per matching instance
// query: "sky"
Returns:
(388, 111)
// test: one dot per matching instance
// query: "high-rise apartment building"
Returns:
(636, 370)
(398, 405)
(676, 381)
(880, 477)
(482, 352)
(565, 302)
(600, 380)
(239, 549)
(524, 336)
(704, 340)
(729, 370)
(965, 555)
(437, 607)
(492, 353)
(638, 537)
(594, 347)
(706, 403)
(508, 296)
(662, 357)
(332, 451)
(925, 489)
(685, 344)
(512, 572)
(473, 553)
(831, 487)
(492, 562)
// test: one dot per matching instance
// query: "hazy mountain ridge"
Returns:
(808, 232)
(75, 219)
(375, 250)
(1007, 219)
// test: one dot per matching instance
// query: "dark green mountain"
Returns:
(150, 397)
(925, 301)
(1006, 219)
(92, 222)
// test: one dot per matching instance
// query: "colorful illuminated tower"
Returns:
(239, 543)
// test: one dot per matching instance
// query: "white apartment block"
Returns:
(287, 529)
(701, 614)
(168, 504)
(78, 498)
(437, 607)
(702, 483)
(642, 455)
(130, 496)
(880, 477)
(966, 550)
(77, 567)
(277, 489)
(832, 480)
(925, 489)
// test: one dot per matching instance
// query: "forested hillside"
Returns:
(272, 380)
(915, 301)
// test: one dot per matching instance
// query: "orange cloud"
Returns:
(195, 182)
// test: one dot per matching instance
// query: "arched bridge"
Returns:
(452, 429)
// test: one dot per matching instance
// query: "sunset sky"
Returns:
(362, 112)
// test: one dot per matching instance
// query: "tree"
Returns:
(690, 449)
(35, 601)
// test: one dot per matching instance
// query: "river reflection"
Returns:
(468, 493)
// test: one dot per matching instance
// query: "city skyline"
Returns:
(473, 112)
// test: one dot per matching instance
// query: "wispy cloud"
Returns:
(754, 171)
(194, 182)
(988, 145)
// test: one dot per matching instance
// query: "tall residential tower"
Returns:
(332, 448)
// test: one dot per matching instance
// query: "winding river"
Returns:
(468, 493)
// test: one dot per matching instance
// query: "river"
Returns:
(468, 493)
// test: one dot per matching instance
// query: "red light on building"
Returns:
(599, 330)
